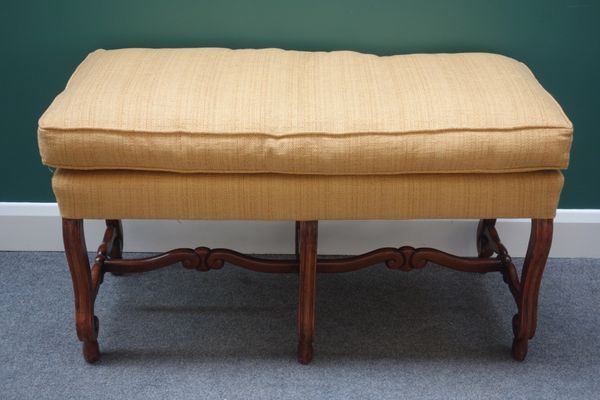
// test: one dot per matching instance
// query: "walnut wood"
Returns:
(406, 259)
(306, 289)
(201, 259)
(85, 322)
(483, 249)
(97, 274)
(488, 235)
(388, 255)
(188, 257)
(249, 262)
(419, 257)
(204, 259)
(525, 290)
(297, 240)
(525, 321)
(116, 248)
(109, 243)
(86, 280)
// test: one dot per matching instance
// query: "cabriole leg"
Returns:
(307, 234)
(86, 322)
(524, 322)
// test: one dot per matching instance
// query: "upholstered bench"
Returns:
(304, 136)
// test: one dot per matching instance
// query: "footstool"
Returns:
(220, 134)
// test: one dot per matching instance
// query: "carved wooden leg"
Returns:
(524, 322)
(306, 289)
(297, 240)
(483, 246)
(116, 251)
(86, 322)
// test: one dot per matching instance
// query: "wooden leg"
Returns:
(525, 321)
(483, 246)
(116, 252)
(306, 288)
(86, 322)
(86, 280)
(297, 240)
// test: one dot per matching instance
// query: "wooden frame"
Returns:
(87, 280)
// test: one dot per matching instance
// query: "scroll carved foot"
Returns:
(305, 351)
(91, 349)
(519, 349)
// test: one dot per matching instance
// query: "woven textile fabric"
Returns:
(217, 110)
(163, 195)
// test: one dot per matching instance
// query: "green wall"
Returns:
(43, 41)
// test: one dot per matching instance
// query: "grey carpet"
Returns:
(230, 334)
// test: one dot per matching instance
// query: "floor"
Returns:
(230, 334)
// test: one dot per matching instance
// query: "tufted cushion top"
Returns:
(328, 113)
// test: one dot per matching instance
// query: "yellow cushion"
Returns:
(166, 195)
(339, 113)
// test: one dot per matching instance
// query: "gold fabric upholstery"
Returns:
(143, 194)
(287, 135)
(275, 111)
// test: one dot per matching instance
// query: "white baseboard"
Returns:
(37, 227)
